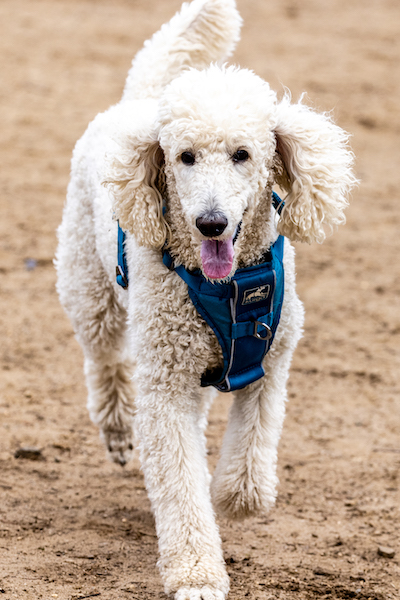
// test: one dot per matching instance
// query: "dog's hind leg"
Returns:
(111, 399)
(99, 322)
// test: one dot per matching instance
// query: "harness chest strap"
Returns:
(244, 313)
(122, 266)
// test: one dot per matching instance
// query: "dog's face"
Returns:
(217, 134)
(221, 139)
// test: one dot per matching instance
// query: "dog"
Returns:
(185, 164)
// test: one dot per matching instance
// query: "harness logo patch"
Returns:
(256, 294)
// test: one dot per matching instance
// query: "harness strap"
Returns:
(277, 203)
(256, 328)
(122, 267)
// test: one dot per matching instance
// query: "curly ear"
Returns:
(314, 165)
(136, 180)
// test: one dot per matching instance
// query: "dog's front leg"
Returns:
(168, 427)
(245, 480)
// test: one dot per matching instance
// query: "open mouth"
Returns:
(217, 256)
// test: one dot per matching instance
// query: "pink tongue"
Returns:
(217, 258)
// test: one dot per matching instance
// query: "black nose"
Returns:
(212, 225)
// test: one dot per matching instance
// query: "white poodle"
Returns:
(187, 161)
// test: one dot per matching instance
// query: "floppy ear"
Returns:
(314, 165)
(135, 177)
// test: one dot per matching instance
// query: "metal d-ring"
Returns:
(267, 330)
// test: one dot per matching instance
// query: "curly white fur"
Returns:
(202, 32)
(317, 172)
(146, 348)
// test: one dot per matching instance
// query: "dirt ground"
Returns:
(73, 525)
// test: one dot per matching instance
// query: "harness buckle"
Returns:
(262, 335)
(120, 273)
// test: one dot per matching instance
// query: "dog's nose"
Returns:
(211, 225)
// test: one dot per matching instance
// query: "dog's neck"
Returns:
(258, 232)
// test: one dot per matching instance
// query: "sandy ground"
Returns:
(73, 525)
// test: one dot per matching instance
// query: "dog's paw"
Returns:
(239, 499)
(206, 592)
(119, 444)
(201, 577)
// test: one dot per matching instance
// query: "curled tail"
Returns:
(204, 31)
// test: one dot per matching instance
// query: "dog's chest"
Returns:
(192, 329)
(166, 324)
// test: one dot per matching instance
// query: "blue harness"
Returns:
(244, 313)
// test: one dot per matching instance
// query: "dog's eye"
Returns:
(187, 158)
(240, 156)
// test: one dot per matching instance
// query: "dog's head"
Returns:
(216, 143)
